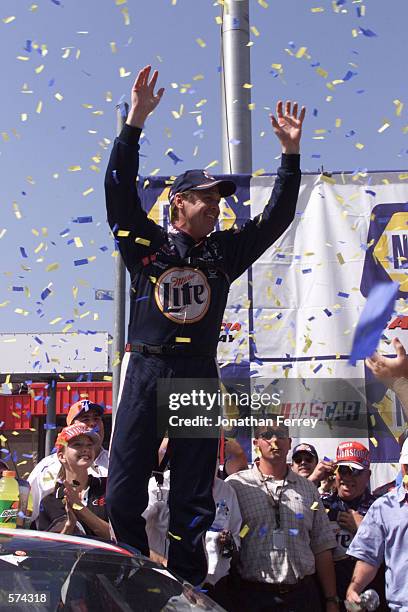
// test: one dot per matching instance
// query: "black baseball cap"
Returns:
(306, 448)
(196, 180)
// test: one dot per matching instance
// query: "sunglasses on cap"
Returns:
(345, 470)
(268, 435)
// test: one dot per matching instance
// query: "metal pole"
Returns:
(50, 424)
(235, 73)
(118, 343)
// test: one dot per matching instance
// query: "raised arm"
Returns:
(244, 246)
(126, 217)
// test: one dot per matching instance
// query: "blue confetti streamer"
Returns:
(82, 220)
(15, 288)
(174, 157)
(45, 293)
(368, 33)
(343, 294)
(80, 262)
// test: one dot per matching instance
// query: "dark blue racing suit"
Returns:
(179, 290)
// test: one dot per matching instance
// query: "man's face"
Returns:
(303, 463)
(273, 445)
(351, 483)
(92, 419)
(199, 213)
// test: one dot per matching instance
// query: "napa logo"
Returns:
(387, 253)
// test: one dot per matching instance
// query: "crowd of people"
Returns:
(290, 532)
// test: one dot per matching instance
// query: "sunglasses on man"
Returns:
(301, 457)
(345, 470)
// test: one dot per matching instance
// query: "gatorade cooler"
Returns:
(15, 501)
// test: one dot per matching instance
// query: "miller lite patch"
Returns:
(183, 295)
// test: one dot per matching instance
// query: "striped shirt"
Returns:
(303, 521)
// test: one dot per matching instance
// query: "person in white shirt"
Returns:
(43, 477)
(220, 541)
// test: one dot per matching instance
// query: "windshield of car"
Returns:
(55, 575)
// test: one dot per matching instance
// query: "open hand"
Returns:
(72, 495)
(385, 368)
(143, 98)
(287, 125)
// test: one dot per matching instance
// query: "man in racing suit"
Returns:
(179, 287)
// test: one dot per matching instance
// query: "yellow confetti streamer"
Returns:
(125, 13)
(59, 97)
(142, 241)
(340, 258)
(338, 123)
(39, 107)
(78, 242)
(317, 9)
(175, 537)
(52, 267)
(74, 168)
(247, 86)
(255, 31)
(201, 43)
(9, 19)
(244, 531)
(359, 146)
(314, 506)
(300, 52)
(87, 191)
(323, 73)
(263, 4)
(384, 126)
(181, 340)
(123, 73)
(399, 106)
(374, 442)
(259, 172)
(56, 320)
(327, 179)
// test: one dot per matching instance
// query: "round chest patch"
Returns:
(183, 295)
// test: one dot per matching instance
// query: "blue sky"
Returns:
(65, 65)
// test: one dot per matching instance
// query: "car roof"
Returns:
(45, 539)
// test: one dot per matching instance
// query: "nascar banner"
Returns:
(293, 313)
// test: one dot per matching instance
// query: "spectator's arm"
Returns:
(235, 457)
(326, 574)
(364, 573)
(95, 524)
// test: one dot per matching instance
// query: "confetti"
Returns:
(244, 531)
